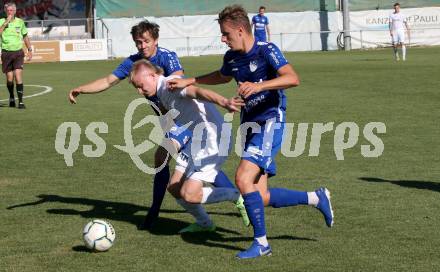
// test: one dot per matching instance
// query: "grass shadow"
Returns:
(373, 59)
(110, 210)
(217, 239)
(416, 184)
(81, 249)
(114, 211)
(127, 212)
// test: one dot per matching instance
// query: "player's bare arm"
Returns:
(407, 28)
(232, 104)
(390, 28)
(177, 73)
(27, 42)
(213, 78)
(268, 33)
(287, 78)
(96, 86)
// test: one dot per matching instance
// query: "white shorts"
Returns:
(182, 162)
(399, 36)
(200, 164)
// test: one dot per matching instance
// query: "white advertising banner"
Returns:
(90, 49)
(200, 35)
(291, 31)
(424, 24)
(185, 35)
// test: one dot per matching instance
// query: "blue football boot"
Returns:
(256, 250)
(325, 206)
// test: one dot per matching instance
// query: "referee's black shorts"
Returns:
(12, 60)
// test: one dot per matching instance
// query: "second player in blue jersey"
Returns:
(262, 73)
(260, 24)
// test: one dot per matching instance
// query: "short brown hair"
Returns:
(145, 26)
(143, 63)
(236, 15)
(396, 4)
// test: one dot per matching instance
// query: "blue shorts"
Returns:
(260, 37)
(180, 134)
(262, 147)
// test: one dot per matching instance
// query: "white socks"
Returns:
(210, 195)
(396, 53)
(403, 52)
(262, 240)
(196, 210)
(313, 198)
(215, 195)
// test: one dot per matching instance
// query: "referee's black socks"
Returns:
(20, 92)
(10, 86)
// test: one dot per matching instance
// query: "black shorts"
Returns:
(12, 60)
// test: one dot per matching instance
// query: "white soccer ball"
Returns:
(99, 235)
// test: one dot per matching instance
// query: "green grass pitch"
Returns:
(386, 208)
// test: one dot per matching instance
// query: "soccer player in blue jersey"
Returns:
(260, 24)
(146, 36)
(262, 73)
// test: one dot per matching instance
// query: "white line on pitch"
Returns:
(47, 89)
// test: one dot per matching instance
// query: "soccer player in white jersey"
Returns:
(397, 25)
(203, 154)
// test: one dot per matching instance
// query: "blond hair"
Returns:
(10, 4)
(144, 64)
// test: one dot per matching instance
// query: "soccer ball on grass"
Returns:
(99, 235)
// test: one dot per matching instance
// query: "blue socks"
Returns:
(255, 210)
(161, 180)
(160, 184)
(280, 197)
(222, 181)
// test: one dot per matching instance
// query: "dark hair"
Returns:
(396, 4)
(145, 26)
(236, 15)
(262, 7)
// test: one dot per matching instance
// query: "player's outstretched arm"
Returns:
(268, 33)
(407, 29)
(96, 86)
(213, 78)
(232, 104)
(390, 26)
(287, 78)
(27, 42)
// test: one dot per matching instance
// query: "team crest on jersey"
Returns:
(269, 161)
(253, 65)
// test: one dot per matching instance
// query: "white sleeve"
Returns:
(182, 92)
(163, 97)
(167, 97)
